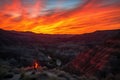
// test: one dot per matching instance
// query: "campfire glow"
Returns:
(36, 65)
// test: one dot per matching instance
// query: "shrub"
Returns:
(3, 72)
(9, 75)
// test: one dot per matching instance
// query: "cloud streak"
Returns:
(40, 17)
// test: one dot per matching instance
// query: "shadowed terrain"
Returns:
(88, 54)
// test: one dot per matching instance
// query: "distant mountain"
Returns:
(14, 37)
(93, 37)
(25, 38)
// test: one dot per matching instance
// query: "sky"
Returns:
(59, 16)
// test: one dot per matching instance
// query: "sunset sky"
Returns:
(59, 16)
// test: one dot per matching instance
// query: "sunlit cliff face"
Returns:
(59, 16)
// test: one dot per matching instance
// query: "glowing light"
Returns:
(36, 65)
(73, 21)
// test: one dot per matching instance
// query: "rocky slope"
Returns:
(100, 60)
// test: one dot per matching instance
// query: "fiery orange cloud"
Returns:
(92, 15)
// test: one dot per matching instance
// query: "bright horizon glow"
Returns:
(60, 16)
